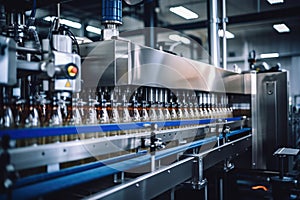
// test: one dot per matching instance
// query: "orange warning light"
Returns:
(259, 187)
(72, 70)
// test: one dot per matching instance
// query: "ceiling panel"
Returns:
(247, 18)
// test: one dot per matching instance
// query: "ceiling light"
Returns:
(70, 23)
(281, 28)
(184, 12)
(269, 55)
(185, 40)
(174, 37)
(178, 38)
(48, 18)
(65, 22)
(93, 30)
(228, 34)
(275, 1)
(82, 40)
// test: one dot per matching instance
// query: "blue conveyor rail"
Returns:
(42, 184)
(25, 133)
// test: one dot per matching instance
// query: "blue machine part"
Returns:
(39, 185)
(111, 12)
(68, 130)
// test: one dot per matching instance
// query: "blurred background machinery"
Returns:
(114, 119)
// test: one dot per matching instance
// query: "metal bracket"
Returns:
(270, 87)
(224, 20)
(228, 165)
(225, 131)
(120, 179)
(8, 174)
(198, 181)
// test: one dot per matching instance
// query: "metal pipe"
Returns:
(20, 18)
(10, 19)
(224, 20)
(172, 194)
(30, 50)
(221, 189)
(2, 16)
(152, 163)
(200, 165)
(214, 45)
(205, 192)
(150, 21)
(115, 178)
(58, 11)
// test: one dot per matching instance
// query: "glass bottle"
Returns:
(92, 114)
(115, 117)
(66, 108)
(195, 106)
(8, 118)
(8, 115)
(213, 106)
(136, 115)
(185, 107)
(19, 113)
(152, 106)
(180, 107)
(144, 115)
(44, 109)
(56, 116)
(205, 106)
(32, 118)
(174, 107)
(166, 107)
(190, 103)
(104, 114)
(125, 112)
(76, 113)
(160, 106)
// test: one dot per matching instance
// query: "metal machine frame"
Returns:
(205, 141)
(116, 75)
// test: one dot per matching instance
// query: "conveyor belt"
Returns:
(63, 181)
(82, 129)
(47, 176)
(235, 132)
(42, 184)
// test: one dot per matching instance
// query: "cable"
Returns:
(61, 29)
(71, 35)
(33, 11)
(31, 19)
(52, 28)
(74, 40)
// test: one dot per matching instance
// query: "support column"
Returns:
(214, 45)
(224, 21)
(150, 21)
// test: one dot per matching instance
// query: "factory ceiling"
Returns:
(245, 17)
(92, 9)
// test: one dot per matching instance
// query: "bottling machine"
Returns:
(117, 120)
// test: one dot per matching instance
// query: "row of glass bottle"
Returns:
(113, 105)
(119, 105)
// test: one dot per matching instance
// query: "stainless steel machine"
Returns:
(125, 121)
(269, 105)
